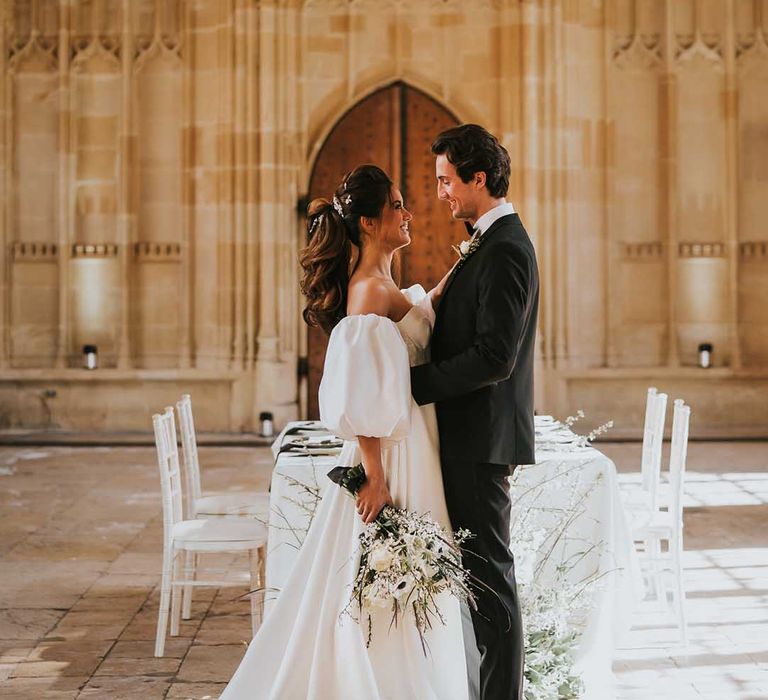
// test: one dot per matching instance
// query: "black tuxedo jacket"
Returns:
(482, 351)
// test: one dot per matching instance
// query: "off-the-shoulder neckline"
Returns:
(384, 318)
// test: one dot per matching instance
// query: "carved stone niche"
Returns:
(155, 301)
(34, 307)
(94, 301)
(753, 250)
(703, 302)
(752, 293)
(35, 251)
(701, 250)
(636, 252)
(149, 251)
(94, 250)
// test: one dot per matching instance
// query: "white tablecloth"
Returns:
(596, 543)
(562, 477)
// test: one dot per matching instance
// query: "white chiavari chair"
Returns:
(197, 536)
(643, 501)
(661, 565)
(252, 504)
(220, 504)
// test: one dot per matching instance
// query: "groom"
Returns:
(481, 379)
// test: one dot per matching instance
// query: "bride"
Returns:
(306, 648)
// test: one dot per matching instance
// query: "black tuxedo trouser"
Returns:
(477, 496)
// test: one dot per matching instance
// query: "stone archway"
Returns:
(393, 128)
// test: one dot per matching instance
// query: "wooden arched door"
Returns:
(392, 128)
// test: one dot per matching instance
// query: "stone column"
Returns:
(239, 180)
(224, 199)
(556, 199)
(5, 12)
(124, 215)
(668, 129)
(269, 89)
(275, 374)
(65, 222)
(579, 189)
(206, 140)
(731, 102)
(249, 143)
(532, 153)
(186, 271)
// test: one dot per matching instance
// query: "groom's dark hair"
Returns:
(472, 149)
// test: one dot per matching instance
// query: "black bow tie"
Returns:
(471, 230)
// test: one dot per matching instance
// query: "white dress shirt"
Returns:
(486, 220)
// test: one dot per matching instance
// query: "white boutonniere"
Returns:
(466, 248)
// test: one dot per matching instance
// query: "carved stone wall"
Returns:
(152, 154)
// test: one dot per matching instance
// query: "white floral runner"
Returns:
(569, 534)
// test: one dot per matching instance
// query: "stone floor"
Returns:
(80, 543)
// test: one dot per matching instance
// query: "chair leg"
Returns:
(190, 574)
(653, 549)
(254, 561)
(680, 597)
(165, 600)
(176, 597)
(262, 581)
(661, 580)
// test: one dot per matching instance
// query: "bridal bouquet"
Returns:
(406, 561)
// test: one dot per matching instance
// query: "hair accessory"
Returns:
(337, 206)
(314, 224)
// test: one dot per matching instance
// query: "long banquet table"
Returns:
(579, 481)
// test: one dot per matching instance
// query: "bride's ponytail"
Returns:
(333, 230)
(326, 261)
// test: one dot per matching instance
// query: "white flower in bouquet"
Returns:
(428, 568)
(404, 586)
(381, 557)
(377, 595)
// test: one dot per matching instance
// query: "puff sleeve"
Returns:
(366, 385)
(419, 297)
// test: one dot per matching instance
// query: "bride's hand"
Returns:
(436, 294)
(372, 497)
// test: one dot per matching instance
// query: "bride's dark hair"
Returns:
(332, 229)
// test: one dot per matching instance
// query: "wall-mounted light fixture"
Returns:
(90, 356)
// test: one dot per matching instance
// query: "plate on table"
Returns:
(312, 446)
(561, 438)
(325, 440)
(549, 428)
(288, 451)
(544, 420)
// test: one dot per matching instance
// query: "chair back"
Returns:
(653, 441)
(677, 458)
(170, 472)
(191, 462)
(648, 443)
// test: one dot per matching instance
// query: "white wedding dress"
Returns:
(306, 647)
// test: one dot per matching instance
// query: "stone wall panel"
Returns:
(155, 153)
